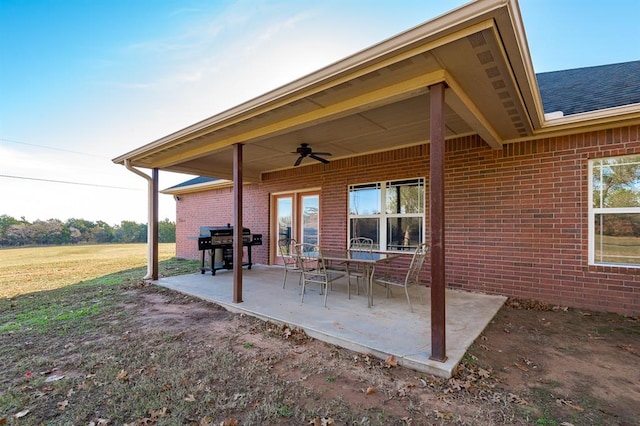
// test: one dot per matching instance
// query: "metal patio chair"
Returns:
(387, 278)
(362, 244)
(314, 269)
(289, 255)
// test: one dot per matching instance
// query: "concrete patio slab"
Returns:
(387, 328)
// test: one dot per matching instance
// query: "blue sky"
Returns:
(84, 81)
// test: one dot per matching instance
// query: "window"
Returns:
(390, 213)
(614, 212)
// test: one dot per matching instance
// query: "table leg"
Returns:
(369, 269)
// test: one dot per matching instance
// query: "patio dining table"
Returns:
(367, 260)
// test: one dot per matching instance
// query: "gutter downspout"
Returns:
(152, 222)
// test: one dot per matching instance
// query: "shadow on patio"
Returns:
(388, 328)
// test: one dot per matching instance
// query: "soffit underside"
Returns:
(477, 63)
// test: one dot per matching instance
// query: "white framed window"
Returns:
(391, 213)
(614, 211)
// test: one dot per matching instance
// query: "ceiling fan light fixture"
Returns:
(305, 151)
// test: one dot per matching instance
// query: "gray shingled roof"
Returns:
(590, 89)
(194, 181)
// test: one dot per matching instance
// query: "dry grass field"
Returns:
(85, 341)
(24, 270)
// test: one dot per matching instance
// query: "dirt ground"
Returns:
(534, 364)
(156, 357)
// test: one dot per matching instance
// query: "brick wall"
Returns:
(516, 218)
(215, 208)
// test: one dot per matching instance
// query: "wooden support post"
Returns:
(237, 223)
(436, 218)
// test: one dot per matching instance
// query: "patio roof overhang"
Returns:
(375, 100)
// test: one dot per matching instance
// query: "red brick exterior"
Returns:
(516, 218)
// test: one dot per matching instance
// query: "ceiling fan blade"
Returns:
(320, 159)
(323, 153)
(298, 161)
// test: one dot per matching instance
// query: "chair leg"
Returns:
(303, 288)
(406, 291)
(326, 291)
(284, 283)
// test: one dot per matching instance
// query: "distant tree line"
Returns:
(20, 232)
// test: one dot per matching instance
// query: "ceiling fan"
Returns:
(304, 151)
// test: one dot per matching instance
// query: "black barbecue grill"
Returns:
(218, 242)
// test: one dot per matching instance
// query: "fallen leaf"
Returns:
(190, 398)
(407, 420)
(123, 376)
(528, 362)
(53, 378)
(21, 414)
(206, 421)
(455, 384)
(629, 349)
(517, 400)
(391, 361)
(521, 367)
(229, 422)
(62, 405)
(370, 390)
(3, 420)
(569, 404)
(156, 414)
(483, 373)
(443, 415)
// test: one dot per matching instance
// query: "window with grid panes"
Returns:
(391, 213)
(614, 211)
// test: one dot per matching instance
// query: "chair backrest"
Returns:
(361, 244)
(310, 258)
(419, 256)
(287, 246)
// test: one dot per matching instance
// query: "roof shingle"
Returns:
(590, 89)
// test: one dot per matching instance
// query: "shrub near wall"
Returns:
(516, 218)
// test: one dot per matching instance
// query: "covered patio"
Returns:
(388, 328)
(401, 109)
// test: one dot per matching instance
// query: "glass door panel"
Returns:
(284, 221)
(310, 218)
(297, 216)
